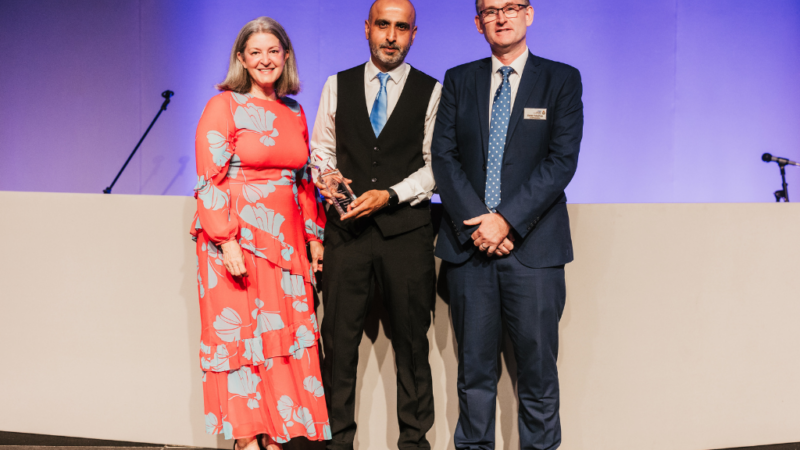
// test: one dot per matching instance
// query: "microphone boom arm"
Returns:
(167, 96)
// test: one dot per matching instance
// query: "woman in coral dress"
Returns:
(256, 212)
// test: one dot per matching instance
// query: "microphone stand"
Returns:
(784, 193)
(167, 95)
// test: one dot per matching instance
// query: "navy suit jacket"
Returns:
(539, 159)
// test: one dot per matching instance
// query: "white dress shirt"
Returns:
(418, 186)
(513, 79)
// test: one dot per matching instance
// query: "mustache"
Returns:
(388, 45)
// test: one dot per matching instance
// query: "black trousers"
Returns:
(403, 267)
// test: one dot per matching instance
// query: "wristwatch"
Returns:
(393, 199)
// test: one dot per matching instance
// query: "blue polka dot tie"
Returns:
(501, 113)
(378, 115)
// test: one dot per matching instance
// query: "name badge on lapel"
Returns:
(536, 113)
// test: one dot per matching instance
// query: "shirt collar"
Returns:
(395, 75)
(518, 64)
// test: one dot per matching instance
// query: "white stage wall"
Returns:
(680, 329)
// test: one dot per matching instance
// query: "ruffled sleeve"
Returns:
(311, 205)
(214, 146)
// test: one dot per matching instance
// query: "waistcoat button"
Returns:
(374, 180)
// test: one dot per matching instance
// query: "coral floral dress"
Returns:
(258, 347)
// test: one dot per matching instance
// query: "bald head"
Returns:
(404, 7)
(390, 30)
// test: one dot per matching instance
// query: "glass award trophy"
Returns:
(334, 182)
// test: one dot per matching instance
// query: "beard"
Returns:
(393, 61)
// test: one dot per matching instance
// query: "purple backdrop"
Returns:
(682, 96)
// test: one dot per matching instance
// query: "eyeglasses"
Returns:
(510, 11)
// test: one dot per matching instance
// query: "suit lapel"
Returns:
(529, 77)
(483, 83)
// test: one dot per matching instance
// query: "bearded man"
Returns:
(375, 124)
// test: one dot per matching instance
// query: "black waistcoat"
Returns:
(380, 163)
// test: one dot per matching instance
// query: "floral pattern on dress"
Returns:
(244, 383)
(313, 385)
(265, 320)
(214, 427)
(258, 120)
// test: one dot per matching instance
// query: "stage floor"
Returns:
(26, 441)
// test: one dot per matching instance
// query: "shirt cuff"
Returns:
(405, 193)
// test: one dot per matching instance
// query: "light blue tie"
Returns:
(501, 112)
(378, 115)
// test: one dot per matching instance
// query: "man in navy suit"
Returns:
(505, 147)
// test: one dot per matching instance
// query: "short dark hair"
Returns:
(478, 4)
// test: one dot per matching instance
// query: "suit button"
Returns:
(374, 163)
(375, 149)
(374, 180)
(530, 226)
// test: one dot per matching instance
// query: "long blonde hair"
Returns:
(238, 80)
